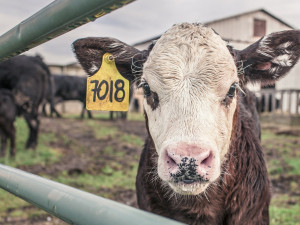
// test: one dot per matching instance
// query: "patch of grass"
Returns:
(132, 139)
(36, 213)
(295, 165)
(281, 212)
(110, 151)
(136, 116)
(96, 115)
(43, 154)
(101, 131)
(104, 115)
(271, 135)
(267, 135)
(108, 178)
(286, 147)
(71, 116)
(283, 215)
(275, 167)
(294, 186)
(283, 159)
(107, 170)
(9, 201)
(17, 213)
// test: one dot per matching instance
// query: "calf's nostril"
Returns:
(171, 163)
(207, 160)
(172, 159)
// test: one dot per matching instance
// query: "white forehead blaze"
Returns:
(189, 55)
(191, 70)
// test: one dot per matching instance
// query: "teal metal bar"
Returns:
(72, 205)
(55, 19)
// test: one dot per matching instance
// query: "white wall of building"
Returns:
(240, 31)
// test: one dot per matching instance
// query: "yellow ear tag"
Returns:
(107, 89)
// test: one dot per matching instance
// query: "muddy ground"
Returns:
(89, 161)
(94, 160)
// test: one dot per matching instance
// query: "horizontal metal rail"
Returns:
(55, 19)
(72, 205)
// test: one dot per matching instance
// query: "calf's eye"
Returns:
(150, 96)
(147, 91)
(230, 94)
(146, 88)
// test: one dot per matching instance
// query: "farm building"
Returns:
(244, 29)
(239, 31)
(73, 69)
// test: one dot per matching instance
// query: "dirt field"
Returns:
(92, 150)
(83, 151)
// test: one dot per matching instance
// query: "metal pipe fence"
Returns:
(55, 19)
(72, 205)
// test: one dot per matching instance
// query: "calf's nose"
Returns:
(189, 162)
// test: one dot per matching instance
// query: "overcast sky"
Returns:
(140, 20)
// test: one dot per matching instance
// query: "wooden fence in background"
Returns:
(279, 101)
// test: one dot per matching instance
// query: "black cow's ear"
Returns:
(129, 60)
(270, 58)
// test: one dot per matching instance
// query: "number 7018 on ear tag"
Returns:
(107, 89)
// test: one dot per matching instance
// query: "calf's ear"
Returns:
(270, 58)
(129, 60)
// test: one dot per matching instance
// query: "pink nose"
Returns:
(189, 163)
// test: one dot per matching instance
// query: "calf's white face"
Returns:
(189, 73)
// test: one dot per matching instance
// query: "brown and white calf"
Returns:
(202, 162)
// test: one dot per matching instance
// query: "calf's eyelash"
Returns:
(146, 88)
(142, 83)
(231, 93)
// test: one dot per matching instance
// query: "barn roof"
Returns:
(227, 18)
(250, 12)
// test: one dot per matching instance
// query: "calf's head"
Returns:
(190, 79)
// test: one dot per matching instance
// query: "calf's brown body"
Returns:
(202, 162)
(241, 195)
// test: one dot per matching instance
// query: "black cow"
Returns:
(27, 77)
(7, 117)
(67, 87)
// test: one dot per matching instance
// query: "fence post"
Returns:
(289, 101)
(297, 102)
(273, 97)
(266, 107)
(281, 101)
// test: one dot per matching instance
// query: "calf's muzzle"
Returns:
(189, 163)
